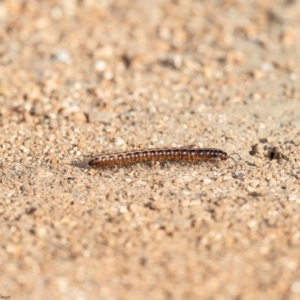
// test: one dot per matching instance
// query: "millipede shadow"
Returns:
(84, 162)
(81, 164)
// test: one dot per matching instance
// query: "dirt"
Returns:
(79, 78)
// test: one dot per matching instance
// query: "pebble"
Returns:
(62, 56)
(78, 117)
(97, 116)
(207, 180)
(100, 66)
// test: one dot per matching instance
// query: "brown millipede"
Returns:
(163, 155)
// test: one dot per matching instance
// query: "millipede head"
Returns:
(92, 162)
(223, 155)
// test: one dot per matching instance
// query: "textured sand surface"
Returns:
(84, 77)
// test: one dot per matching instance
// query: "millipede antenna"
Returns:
(230, 156)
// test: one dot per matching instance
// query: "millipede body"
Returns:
(163, 155)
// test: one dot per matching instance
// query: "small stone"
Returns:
(30, 210)
(293, 197)
(100, 66)
(293, 76)
(53, 123)
(93, 172)
(257, 74)
(288, 37)
(295, 287)
(123, 209)
(14, 250)
(119, 142)
(252, 223)
(257, 162)
(207, 71)
(258, 150)
(78, 117)
(62, 56)
(42, 231)
(56, 13)
(177, 61)
(271, 139)
(97, 116)
(226, 178)
(44, 174)
(207, 180)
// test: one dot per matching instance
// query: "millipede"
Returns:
(160, 155)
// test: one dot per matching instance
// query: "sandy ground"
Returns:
(84, 77)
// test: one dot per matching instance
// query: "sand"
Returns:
(79, 78)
